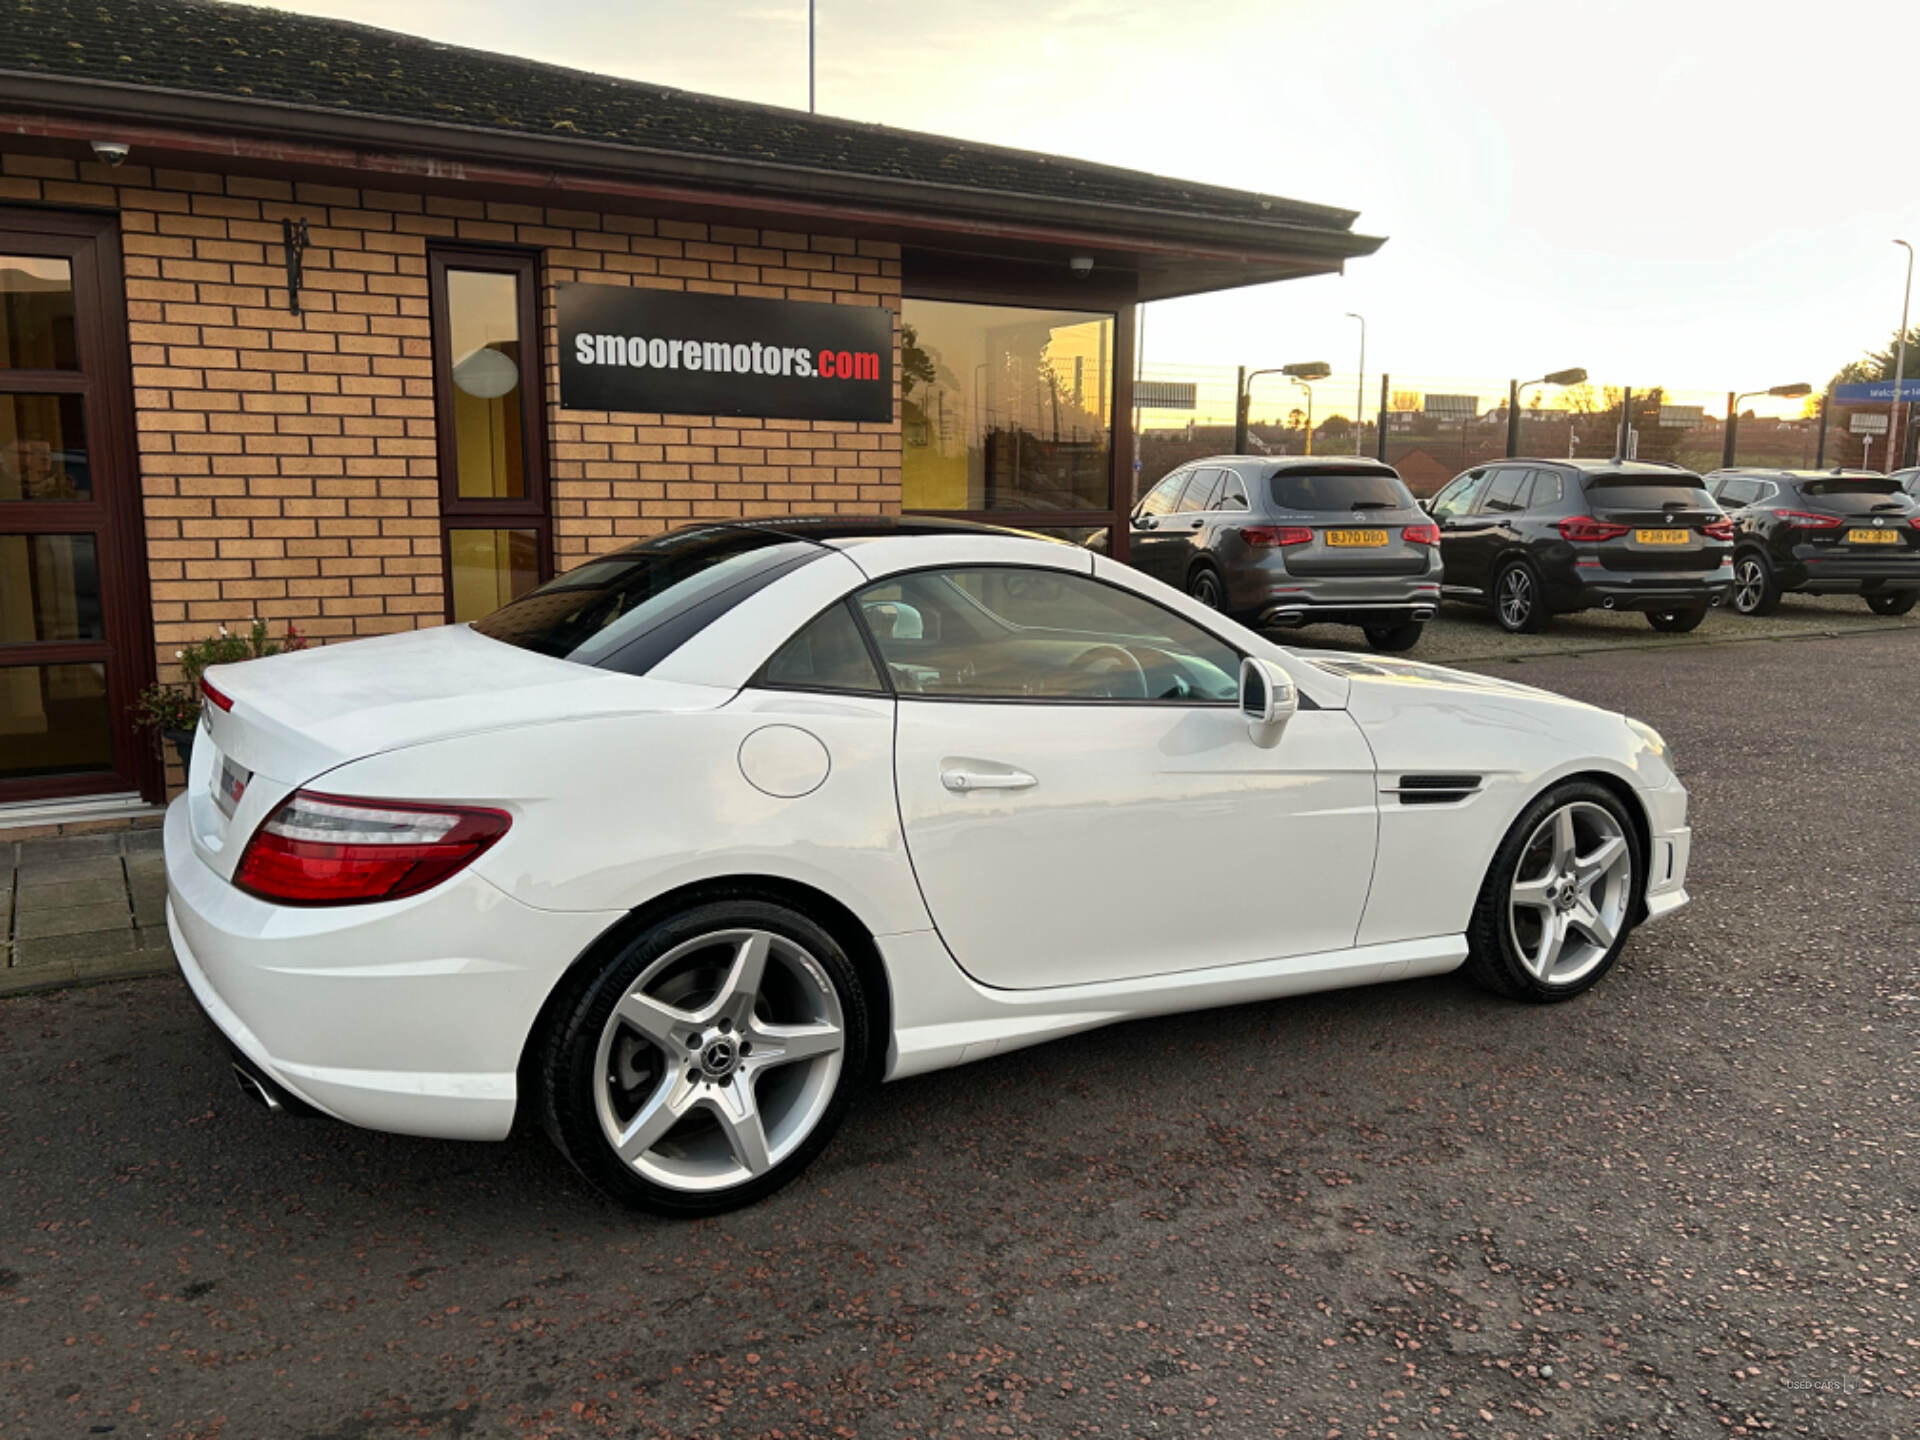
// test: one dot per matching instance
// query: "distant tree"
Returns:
(916, 366)
(1878, 364)
(1337, 427)
(1404, 400)
(1296, 417)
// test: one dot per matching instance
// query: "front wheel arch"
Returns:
(830, 914)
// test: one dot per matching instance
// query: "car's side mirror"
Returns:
(1145, 522)
(1268, 700)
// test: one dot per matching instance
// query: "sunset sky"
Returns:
(1693, 193)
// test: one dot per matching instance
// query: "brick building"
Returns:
(282, 329)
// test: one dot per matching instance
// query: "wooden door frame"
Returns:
(105, 379)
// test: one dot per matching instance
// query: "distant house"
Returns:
(1423, 473)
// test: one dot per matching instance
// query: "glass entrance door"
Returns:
(73, 627)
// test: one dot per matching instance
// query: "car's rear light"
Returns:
(1266, 537)
(1421, 534)
(1721, 529)
(215, 697)
(1584, 529)
(337, 850)
(1808, 520)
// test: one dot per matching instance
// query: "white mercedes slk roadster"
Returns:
(676, 853)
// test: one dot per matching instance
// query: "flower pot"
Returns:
(182, 742)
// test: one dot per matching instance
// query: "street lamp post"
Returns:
(1515, 389)
(1360, 387)
(1309, 389)
(1243, 402)
(1785, 392)
(1900, 359)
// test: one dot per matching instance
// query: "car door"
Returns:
(1482, 537)
(1188, 523)
(1451, 509)
(1081, 799)
(1153, 546)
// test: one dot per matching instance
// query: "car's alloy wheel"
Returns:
(1558, 900)
(710, 1061)
(1205, 587)
(1753, 588)
(1516, 601)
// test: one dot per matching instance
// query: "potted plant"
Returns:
(172, 710)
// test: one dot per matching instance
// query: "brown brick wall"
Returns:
(288, 463)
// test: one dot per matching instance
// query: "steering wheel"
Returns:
(1128, 668)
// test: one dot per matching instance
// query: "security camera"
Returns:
(1081, 266)
(113, 152)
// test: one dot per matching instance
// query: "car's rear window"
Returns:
(1857, 494)
(1650, 492)
(1301, 487)
(628, 610)
(1852, 485)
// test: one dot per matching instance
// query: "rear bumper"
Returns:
(1850, 574)
(408, 1016)
(1271, 596)
(1613, 590)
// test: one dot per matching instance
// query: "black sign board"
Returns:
(667, 352)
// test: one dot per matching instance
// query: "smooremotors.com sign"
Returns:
(665, 352)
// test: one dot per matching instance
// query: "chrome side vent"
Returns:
(1433, 789)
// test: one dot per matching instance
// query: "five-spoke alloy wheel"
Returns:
(1516, 600)
(710, 1060)
(1558, 900)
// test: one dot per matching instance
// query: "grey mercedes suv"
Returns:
(1296, 540)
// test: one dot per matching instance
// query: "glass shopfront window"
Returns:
(1006, 409)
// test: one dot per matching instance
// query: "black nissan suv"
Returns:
(1538, 538)
(1824, 532)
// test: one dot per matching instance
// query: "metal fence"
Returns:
(1437, 426)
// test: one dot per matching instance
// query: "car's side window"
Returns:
(1457, 499)
(1503, 493)
(1164, 496)
(829, 653)
(1233, 495)
(1737, 494)
(1546, 490)
(1201, 490)
(1019, 633)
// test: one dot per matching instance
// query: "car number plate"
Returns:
(1873, 537)
(1662, 537)
(229, 784)
(1356, 539)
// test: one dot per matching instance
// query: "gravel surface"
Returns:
(1463, 634)
(1683, 1204)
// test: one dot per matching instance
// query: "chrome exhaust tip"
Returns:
(1423, 615)
(1607, 604)
(257, 1090)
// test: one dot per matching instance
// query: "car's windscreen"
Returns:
(628, 609)
(1305, 488)
(1641, 492)
(1857, 494)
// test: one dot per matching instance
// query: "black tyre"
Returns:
(1558, 902)
(1205, 585)
(1392, 638)
(708, 1061)
(1518, 605)
(1892, 602)
(1677, 622)
(1755, 590)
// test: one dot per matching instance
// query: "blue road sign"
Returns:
(1869, 391)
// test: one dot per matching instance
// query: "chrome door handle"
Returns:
(961, 781)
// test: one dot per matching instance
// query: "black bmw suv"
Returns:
(1538, 538)
(1824, 532)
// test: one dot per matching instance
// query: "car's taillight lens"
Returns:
(1268, 536)
(337, 850)
(1421, 534)
(1584, 529)
(215, 697)
(1718, 529)
(1808, 520)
